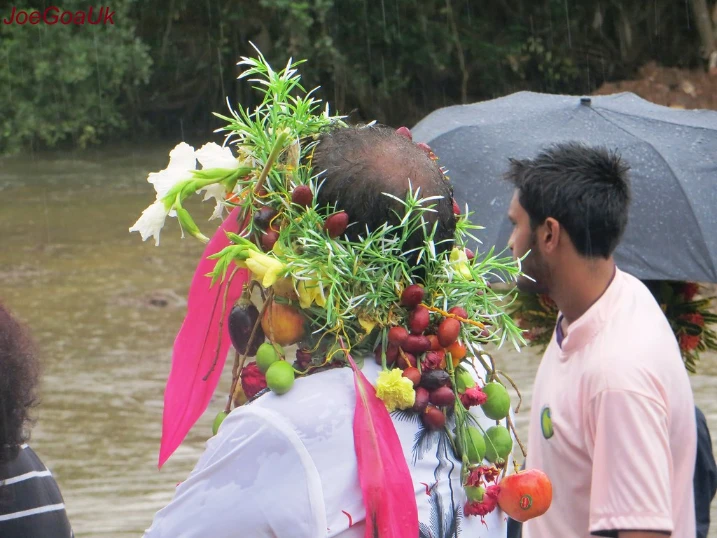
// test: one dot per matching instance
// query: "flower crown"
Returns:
(330, 296)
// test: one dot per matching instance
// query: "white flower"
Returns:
(151, 221)
(218, 192)
(182, 161)
(212, 155)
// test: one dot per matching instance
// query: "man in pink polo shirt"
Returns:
(613, 418)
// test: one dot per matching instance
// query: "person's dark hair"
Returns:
(586, 189)
(359, 164)
(19, 377)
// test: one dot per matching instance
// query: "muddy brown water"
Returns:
(104, 308)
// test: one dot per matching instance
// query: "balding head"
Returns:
(361, 163)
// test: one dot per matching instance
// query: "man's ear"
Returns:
(550, 234)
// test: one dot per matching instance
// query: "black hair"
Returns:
(586, 189)
(19, 377)
(360, 163)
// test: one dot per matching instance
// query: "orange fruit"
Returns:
(283, 324)
(525, 494)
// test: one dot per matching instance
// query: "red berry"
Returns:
(336, 224)
(416, 344)
(397, 335)
(405, 360)
(459, 311)
(456, 209)
(404, 131)
(433, 418)
(435, 344)
(391, 354)
(448, 331)
(263, 216)
(422, 397)
(419, 319)
(442, 396)
(268, 239)
(469, 254)
(413, 374)
(412, 296)
(302, 196)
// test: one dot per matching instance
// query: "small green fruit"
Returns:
(280, 377)
(475, 445)
(218, 421)
(497, 405)
(464, 380)
(266, 355)
(498, 443)
(474, 493)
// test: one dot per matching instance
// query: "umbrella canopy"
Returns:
(672, 227)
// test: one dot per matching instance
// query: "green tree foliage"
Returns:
(69, 83)
(389, 60)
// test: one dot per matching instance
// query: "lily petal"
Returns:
(213, 155)
(182, 161)
(151, 222)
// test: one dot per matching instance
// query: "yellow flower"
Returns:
(459, 263)
(395, 390)
(264, 267)
(310, 291)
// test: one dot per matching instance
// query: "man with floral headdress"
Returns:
(286, 465)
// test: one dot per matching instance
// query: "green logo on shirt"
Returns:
(546, 423)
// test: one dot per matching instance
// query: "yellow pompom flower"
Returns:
(395, 390)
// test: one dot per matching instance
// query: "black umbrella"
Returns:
(672, 228)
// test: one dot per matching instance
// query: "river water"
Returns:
(104, 308)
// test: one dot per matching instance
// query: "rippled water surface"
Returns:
(105, 308)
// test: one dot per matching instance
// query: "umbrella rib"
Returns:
(687, 198)
(652, 119)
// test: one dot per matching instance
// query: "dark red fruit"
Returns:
(268, 239)
(302, 196)
(412, 296)
(419, 319)
(448, 331)
(431, 360)
(397, 335)
(422, 397)
(435, 344)
(432, 379)
(336, 224)
(263, 216)
(459, 311)
(404, 131)
(456, 209)
(433, 418)
(391, 354)
(405, 360)
(442, 396)
(413, 374)
(242, 319)
(416, 344)
(469, 254)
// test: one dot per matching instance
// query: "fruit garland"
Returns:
(330, 296)
(685, 304)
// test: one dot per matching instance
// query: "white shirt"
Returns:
(285, 467)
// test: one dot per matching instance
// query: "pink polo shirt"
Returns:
(613, 422)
